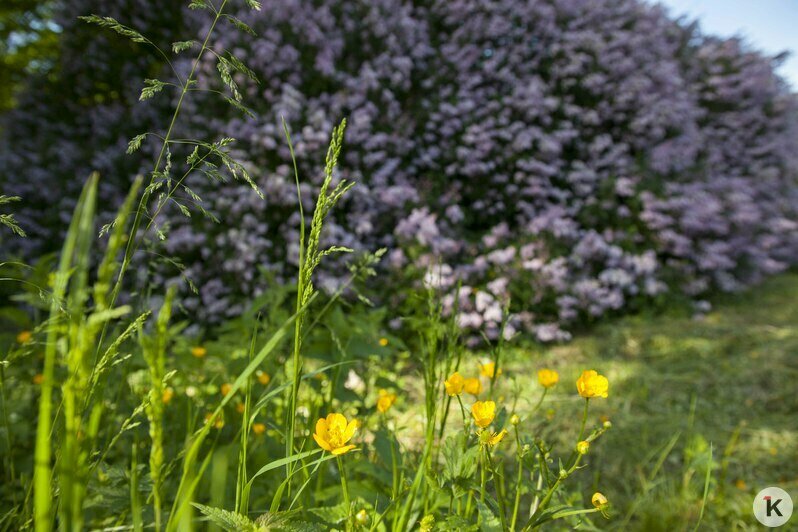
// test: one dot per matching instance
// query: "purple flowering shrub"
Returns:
(580, 156)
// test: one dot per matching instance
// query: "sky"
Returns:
(768, 25)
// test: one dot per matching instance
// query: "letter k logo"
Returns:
(772, 506)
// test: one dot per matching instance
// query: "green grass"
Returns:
(678, 384)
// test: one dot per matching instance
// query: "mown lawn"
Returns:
(679, 385)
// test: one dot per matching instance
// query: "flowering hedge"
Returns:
(583, 156)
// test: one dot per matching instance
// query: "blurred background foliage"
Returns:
(29, 40)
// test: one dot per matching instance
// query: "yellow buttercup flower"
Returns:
(548, 377)
(472, 386)
(383, 342)
(483, 413)
(199, 351)
(496, 437)
(454, 384)
(333, 433)
(591, 384)
(599, 500)
(385, 400)
(583, 447)
(240, 407)
(263, 377)
(24, 337)
(258, 428)
(167, 395)
(488, 369)
(225, 388)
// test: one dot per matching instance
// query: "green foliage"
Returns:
(28, 45)
(8, 219)
(228, 521)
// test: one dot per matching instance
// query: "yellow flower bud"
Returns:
(258, 428)
(225, 388)
(383, 342)
(263, 377)
(514, 419)
(199, 351)
(427, 523)
(385, 401)
(219, 423)
(362, 517)
(599, 500)
(167, 395)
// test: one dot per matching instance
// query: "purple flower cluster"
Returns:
(582, 156)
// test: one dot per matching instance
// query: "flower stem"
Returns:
(345, 489)
(540, 401)
(482, 479)
(499, 490)
(584, 420)
(518, 479)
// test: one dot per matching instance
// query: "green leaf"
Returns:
(456, 523)
(490, 523)
(332, 515)
(226, 520)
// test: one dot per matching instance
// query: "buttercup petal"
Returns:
(321, 427)
(350, 430)
(323, 444)
(342, 450)
(336, 422)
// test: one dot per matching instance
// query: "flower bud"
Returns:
(583, 447)
(514, 419)
(362, 517)
(599, 500)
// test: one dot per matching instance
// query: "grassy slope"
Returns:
(729, 379)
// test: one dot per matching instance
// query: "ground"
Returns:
(679, 385)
